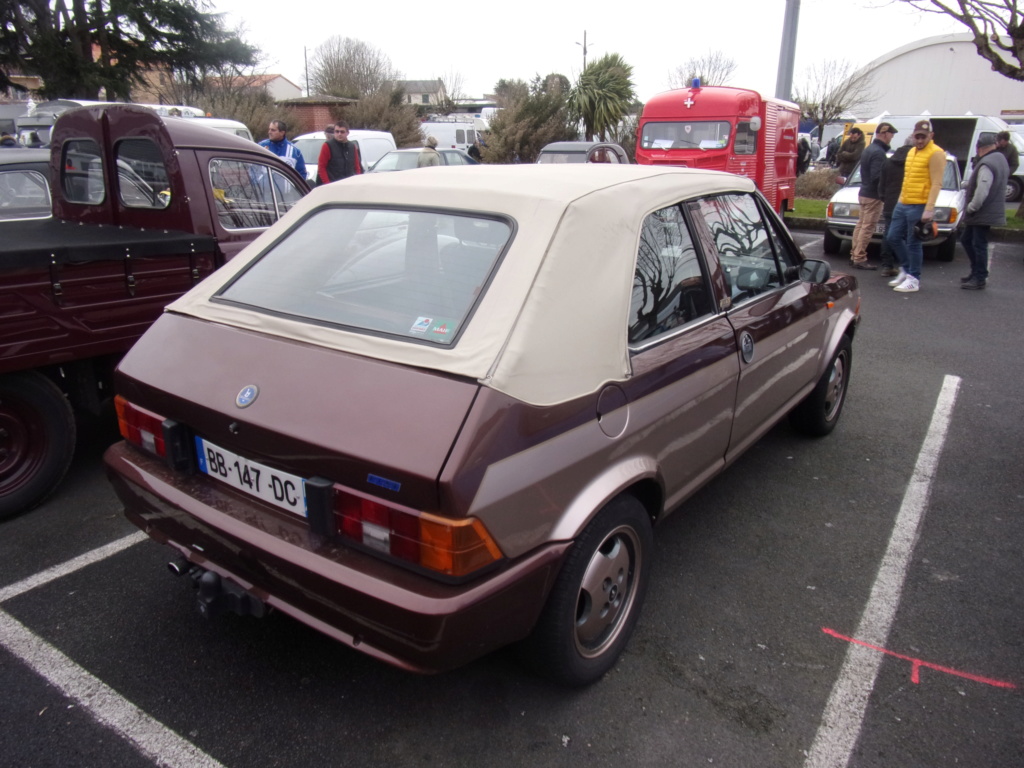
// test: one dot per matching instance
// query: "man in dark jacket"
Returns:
(986, 190)
(1005, 147)
(869, 197)
(849, 152)
(890, 182)
(339, 157)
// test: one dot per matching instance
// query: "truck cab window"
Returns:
(142, 178)
(746, 139)
(81, 172)
(250, 195)
(669, 285)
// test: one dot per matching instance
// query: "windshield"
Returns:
(697, 134)
(310, 149)
(950, 176)
(397, 161)
(410, 274)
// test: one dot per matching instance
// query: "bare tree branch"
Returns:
(830, 89)
(713, 68)
(996, 25)
(343, 66)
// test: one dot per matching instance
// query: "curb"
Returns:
(818, 225)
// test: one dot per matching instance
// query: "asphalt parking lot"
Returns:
(855, 600)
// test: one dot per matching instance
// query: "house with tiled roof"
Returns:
(422, 92)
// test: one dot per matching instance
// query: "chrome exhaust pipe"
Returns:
(179, 567)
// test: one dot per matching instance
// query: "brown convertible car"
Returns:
(434, 414)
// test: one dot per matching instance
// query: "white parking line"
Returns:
(107, 706)
(59, 571)
(844, 714)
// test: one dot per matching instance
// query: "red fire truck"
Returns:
(724, 129)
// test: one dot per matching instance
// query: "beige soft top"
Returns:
(552, 325)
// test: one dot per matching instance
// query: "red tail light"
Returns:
(140, 427)
(450, 547)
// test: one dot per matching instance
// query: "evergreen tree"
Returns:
(80, 49)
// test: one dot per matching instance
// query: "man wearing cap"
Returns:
(985, 208)
(870, 196)
(922, 181)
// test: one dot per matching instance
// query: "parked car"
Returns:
(373, 145)
(844, 210)
(500, 394)
(24, 184)
(582, 152)
(406, 159)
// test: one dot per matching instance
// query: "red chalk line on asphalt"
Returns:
(916, 664)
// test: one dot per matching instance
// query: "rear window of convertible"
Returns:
(412, 274)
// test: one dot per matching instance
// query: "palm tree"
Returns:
(603, 95)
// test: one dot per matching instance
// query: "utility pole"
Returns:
(305, 61)
(787, 51)
(584, 44)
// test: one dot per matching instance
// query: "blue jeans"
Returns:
(975, 242)
(908, 249)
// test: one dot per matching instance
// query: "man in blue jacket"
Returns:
(870, 196)
(277, 142)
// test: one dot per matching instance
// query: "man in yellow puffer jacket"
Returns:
(922, 181)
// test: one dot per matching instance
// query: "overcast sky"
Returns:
(530, 37)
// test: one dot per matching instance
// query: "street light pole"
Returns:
(584, 44)
(787, 51)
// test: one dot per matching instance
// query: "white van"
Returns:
(958, 135)
(451, 134)
(373, 145)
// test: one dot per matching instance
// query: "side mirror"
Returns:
(814, 271)
(755, 124)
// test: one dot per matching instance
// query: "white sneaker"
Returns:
(898, 279)
(910, 285)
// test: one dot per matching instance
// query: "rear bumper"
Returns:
(397, 616)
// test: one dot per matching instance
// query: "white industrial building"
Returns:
(942, 75)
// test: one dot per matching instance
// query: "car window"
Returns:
(410, 274)
(250, 195)
(562, 157)
(24, 195)
(743, 242)
(670, 289)
(81, 172)
(142, 179)
(453, 158)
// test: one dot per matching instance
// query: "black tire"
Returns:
(578, 638)
(1014, 188)
(818, 413)
(831, 243)
(37, 440)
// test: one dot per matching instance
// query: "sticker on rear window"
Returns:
(422, 325)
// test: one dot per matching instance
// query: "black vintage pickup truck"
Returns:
(123, 214)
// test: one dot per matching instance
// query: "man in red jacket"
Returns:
(339, 157)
